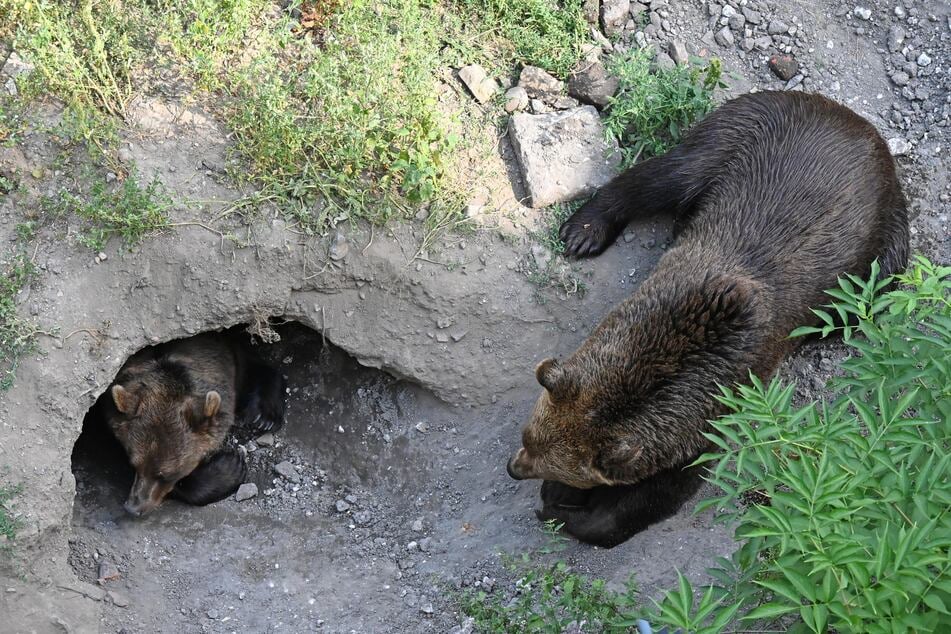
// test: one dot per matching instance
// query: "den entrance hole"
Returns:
(347, 428)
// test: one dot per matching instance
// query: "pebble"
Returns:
(342, 506)
(900, 78)
(286, 470)
(924, 60)
(895, 39)
(724, 37)
(339, 247)
(478, 82)
(266, 440)
(107, 571)
(422, 427)
(898, 146)
(863, 13)
(777, 27)
(417, 526)
(784, 66)
(678, 52)
(212, 614)
(516, 99)
(246, 491)
(118, 600)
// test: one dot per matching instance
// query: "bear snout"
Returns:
(511, 470)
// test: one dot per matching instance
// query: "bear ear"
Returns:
(552, 377)
(126, 402)
(212, 404)
(617, 460)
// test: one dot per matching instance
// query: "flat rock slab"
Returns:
(563, 155)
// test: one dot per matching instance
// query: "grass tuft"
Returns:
(8, 524)
(544, 33)
(17, 335)
(128, 210)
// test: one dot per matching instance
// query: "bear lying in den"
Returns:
(775, 196)
(172, 407)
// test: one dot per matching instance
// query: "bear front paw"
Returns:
(587, 232)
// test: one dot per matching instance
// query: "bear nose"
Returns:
(512, 474)
(132, 509)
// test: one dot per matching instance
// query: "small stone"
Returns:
(516, 99)
(592, 84)
(426, 608)
(539, 83)
(107, 571)
(125, 155)
(118, 600)
(425, 544)
(727, 11)
(478, 82)
(737, 22)
(287, 471)
(724, 37)
(422, 427)
(458, 336)
(777, 27)
(417, 526)
(212, 614)
(663, 62)
(541, 255)
(896, 37)
(342, 506)
(102, 256)
(924, 60)
(539, 106)
(762, 43)
(564, 103)
(898, 146)
(614, 15)
(784, 66)
(442, 337)
(863, 13)
(678, 52)
(629, 236)
(412, 547)
(752, 16)
(339, 247)
(246, 491)
(900, 78)
(266, 440)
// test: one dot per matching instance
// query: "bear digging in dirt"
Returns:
(172, 407)
(776, 194)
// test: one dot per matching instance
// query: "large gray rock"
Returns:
(592, 84)
(563, 155)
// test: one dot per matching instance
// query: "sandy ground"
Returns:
(409, 381)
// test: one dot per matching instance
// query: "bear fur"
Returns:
(775, 195)
(172, 408)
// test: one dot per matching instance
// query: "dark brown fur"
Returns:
(172, 407)
(776, 195)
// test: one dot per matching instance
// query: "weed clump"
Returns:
(8, 524)
(654, 107)
(544, 33)
(129, 211)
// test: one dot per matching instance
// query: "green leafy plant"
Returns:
(654, 107)
(854, 534)
(542, 33)
(17, 335)
(127, 210)
(550, 597)
(8, 523)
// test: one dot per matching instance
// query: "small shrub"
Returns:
(856, 533)
(653, 108)
(128, 210)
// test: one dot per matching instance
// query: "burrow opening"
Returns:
(347, 428)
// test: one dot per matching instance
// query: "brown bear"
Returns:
(172, 407)
(775, 195)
